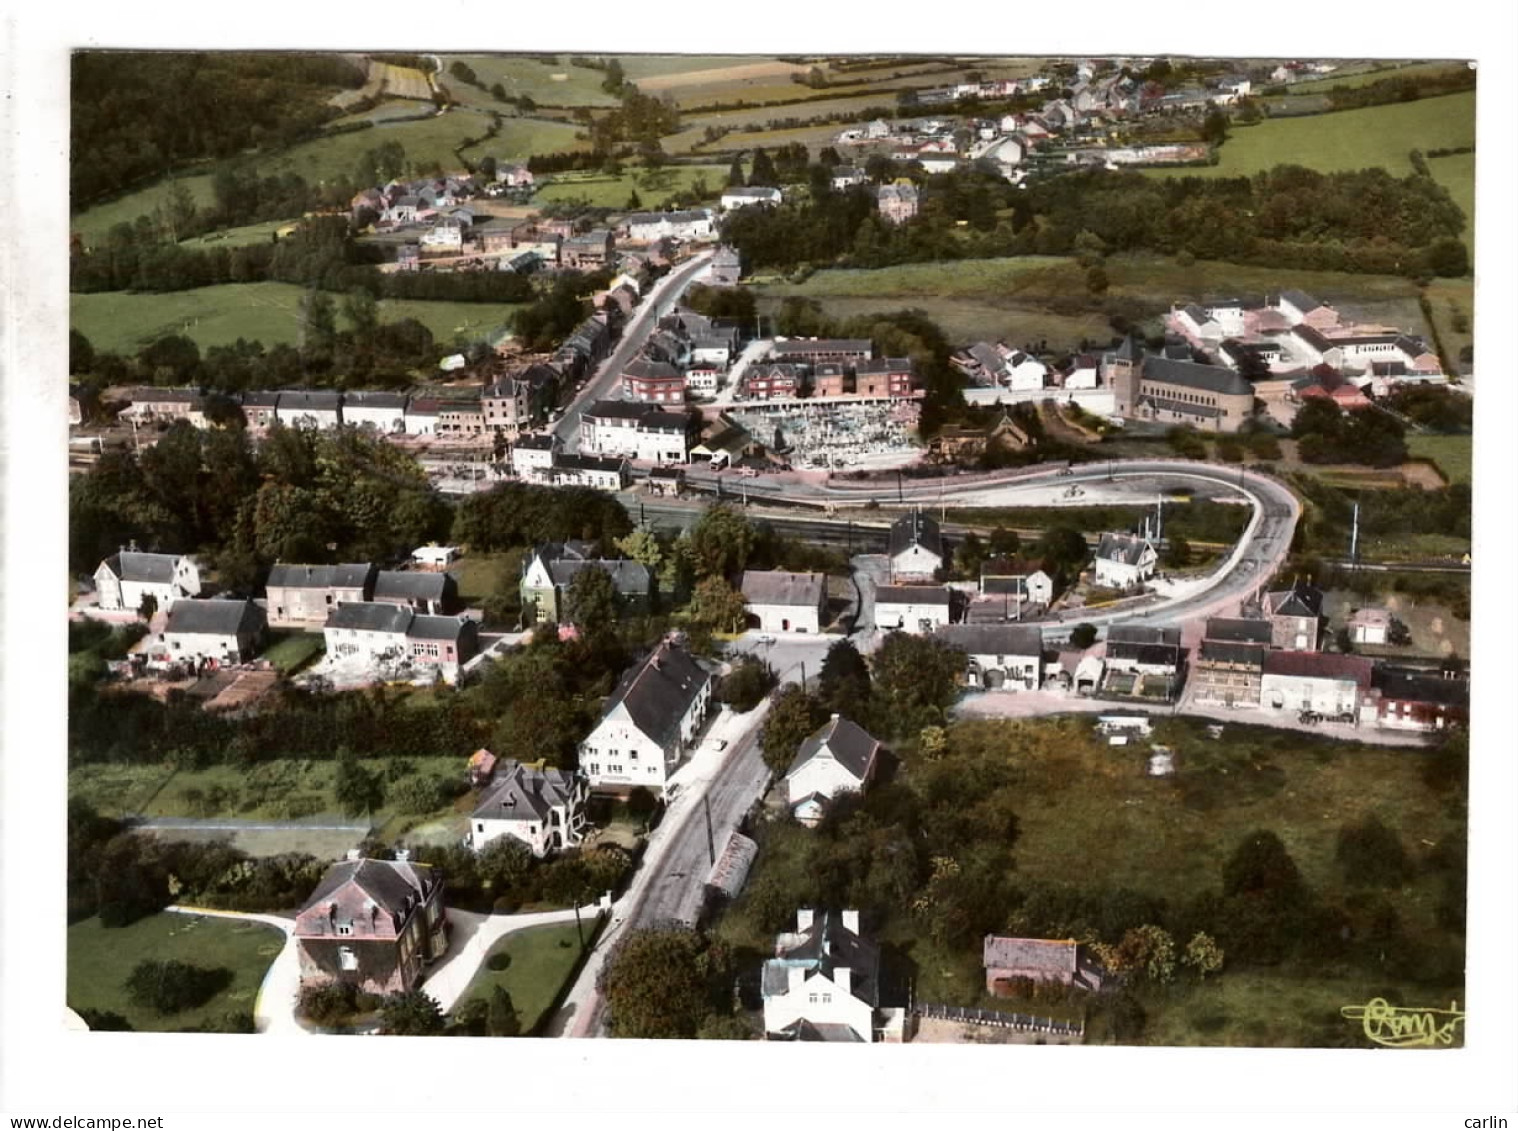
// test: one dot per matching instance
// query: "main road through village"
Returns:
(726, 775)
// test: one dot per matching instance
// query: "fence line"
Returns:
(1023, 1022)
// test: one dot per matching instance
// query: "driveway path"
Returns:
(274, 1008)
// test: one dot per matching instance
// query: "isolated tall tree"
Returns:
(735, 172)
(722, 541)
(793, 716)
(663, 983)
(591, 603)
(411, 1014)
(502, 1020)
(763, 172)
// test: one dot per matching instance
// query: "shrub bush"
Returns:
(169, 986)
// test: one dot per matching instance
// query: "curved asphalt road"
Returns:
(1261, 550)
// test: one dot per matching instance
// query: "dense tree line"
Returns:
(1325, 433)
(302, 496)
(1383, 511)
(1364, 221)
(136, 115)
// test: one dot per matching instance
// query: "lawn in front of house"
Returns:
(541, 960)
(101, 959)
(481, 576)
(292, 651)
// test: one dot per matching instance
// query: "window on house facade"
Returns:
(345, 928)
(346, 958)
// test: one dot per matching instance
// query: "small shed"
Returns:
(436, 558)
(481, 767)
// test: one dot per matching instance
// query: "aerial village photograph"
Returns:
(861, 547)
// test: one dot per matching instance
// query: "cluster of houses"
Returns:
(828, 368)
(503, 407)
(687, 353)
(405, 621)
(1303, 346)
(1070, 128)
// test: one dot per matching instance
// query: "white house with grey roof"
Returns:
(211, 632)
(425, 591)
(839, 757)
(915, 548)
(124, 579)
(823, 984)
(383, 412)
(543, 809)
(1006, 656)
(1124, 560)
(307, 409)
(302, 596)
(914, 609)
(396, 641)
(648, 724)
(786, 602)
(740, 197)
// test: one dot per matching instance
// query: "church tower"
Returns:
(1121, 372)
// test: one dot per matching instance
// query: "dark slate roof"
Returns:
(518, 792)
(644, 368)
(1158, 654)
(826, 946)
(661, 421)
(777, 587)
(834, 1032)
(1197, 314)
(885, 365)
(850, 745)
(1130, 350)
(214, 618)
(1125, 548)
(148, 395)
(1237, 630)
(1232, 652)
(659, 691)
(543, 442)
(915, 529)
(1057, 956)
(1312, 337)
(1417, 687)
(351, 575)
(793, 347)
(573, 461)
(132, 565)
(297, 400)
(420, 586)
(1190, 374)
(619, 410)
(1002, 586)
(370, 616)
(911, 595)
(1320, 665)
(987, 357)
(260, 399)
(1189, 408)
(993, 639)
(1301, 300)
(1298, 601)
(630, 578)
(685, 217)
(1143, 634)
(427, 627)
(390, 883)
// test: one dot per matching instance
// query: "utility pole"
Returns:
(1354, 537)
(711, 843)
(900, 497)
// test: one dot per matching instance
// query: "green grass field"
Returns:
(967, 320)
(1451, 300)
(1365, 78)
(520, 138)
(479, 575)
(101, 959)
(266, 312)
(740, 119)
(651, 185)
(580, 86)
(93, 224)
(1348, 139)
(399, 109)
(637, 67)
(540, 962)
(1452, 454)
(813, 137)
(245, 236)
(1457, 173)
(282, 789)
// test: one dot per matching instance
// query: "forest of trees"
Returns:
(1364, 221)
(137, 115)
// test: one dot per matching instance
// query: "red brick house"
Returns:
(656, 381)
(884, 377)
(376, 924)
(762, 382)
(1407, 700)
